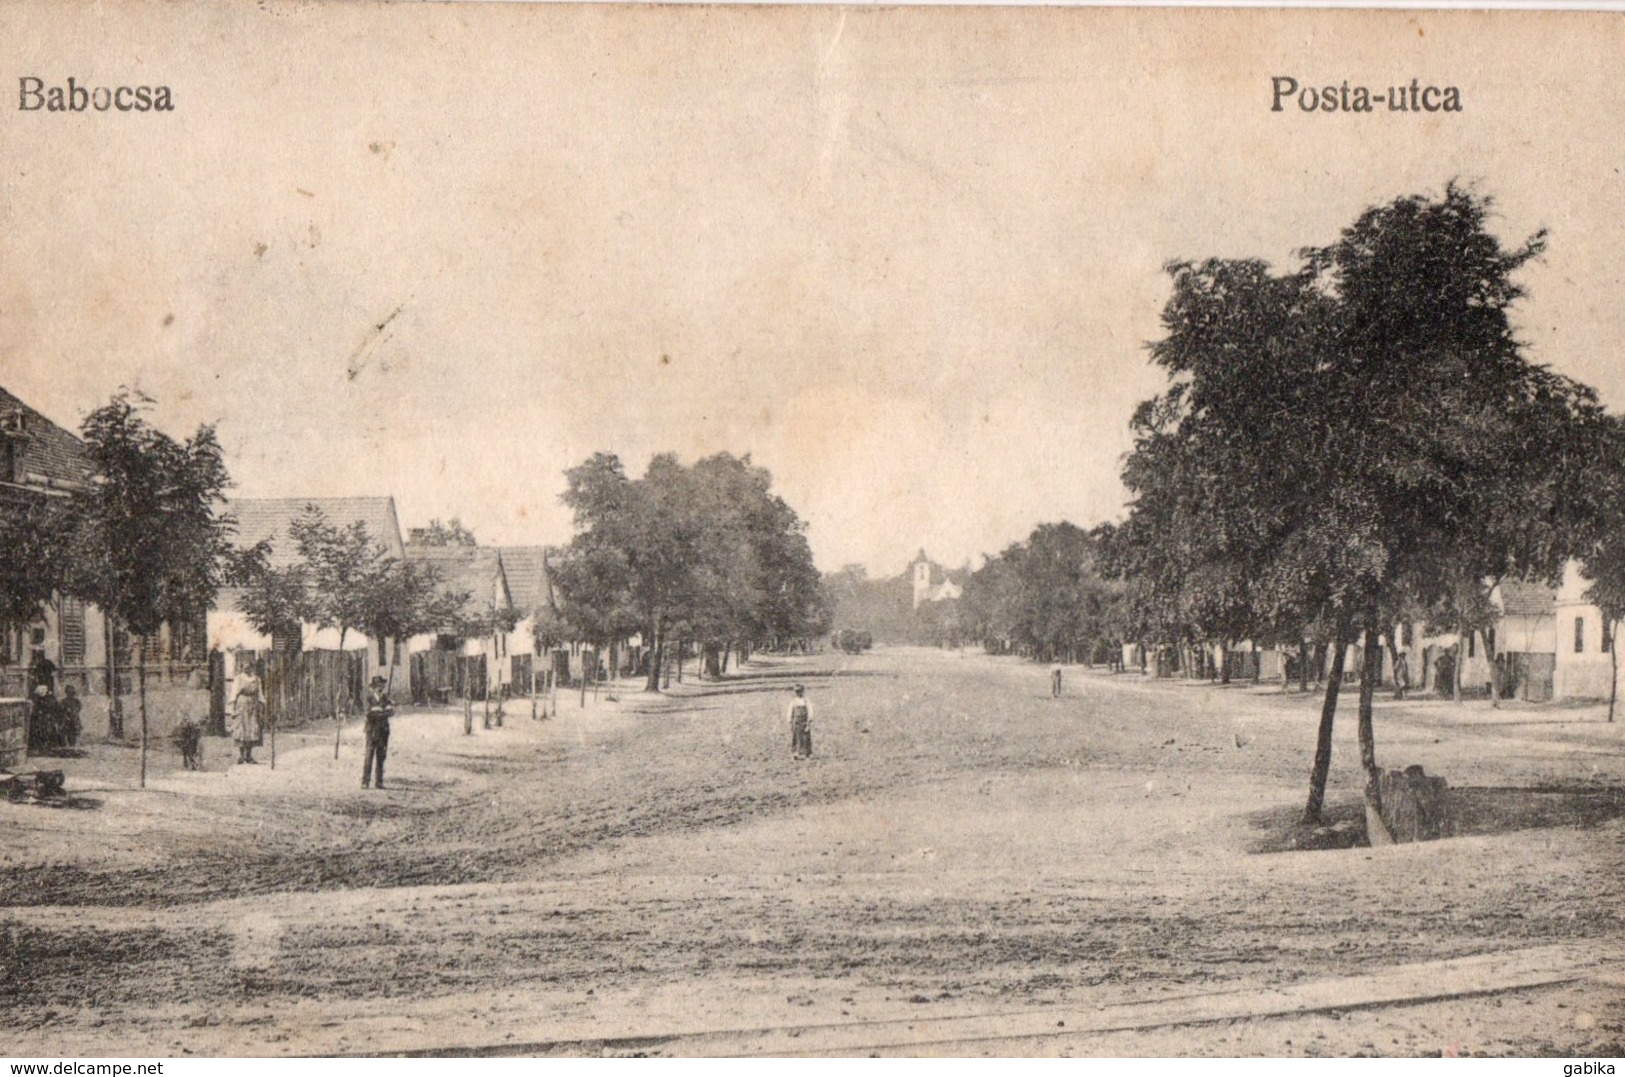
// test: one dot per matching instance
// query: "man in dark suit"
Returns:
(380, 708)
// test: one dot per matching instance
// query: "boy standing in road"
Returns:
(380, 708)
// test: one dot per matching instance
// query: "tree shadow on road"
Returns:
(1480, 810)
(1470, 811)
(1282, 829)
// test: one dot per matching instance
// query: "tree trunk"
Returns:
(1461, 662)
(1393, 662)
(1369, 675)
(141, 690)
(1303, 666)
(115, 713)
(1323, 737)
(1376, 829)
(727, 651)
(653, 683)
(338, 689)
(1613, 661)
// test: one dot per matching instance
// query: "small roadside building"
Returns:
(530, 584)
(1526, 639)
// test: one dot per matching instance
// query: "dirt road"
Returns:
(966, 866)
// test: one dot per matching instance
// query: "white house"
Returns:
(268, 520)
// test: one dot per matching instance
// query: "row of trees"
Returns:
(1356, 441)
(1047, 598)
(704, 554)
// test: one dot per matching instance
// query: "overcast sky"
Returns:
(908, 260)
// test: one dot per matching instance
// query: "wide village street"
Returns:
(965, 866)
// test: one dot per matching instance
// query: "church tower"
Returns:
(922, 578)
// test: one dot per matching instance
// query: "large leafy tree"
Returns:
(704, 553)
(1045, 597)
(1357, 435)
(149, 543)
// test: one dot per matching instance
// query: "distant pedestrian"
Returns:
(1055, 682)
(380, 708)
(246, 714)
(1402, 675)
(800, 715)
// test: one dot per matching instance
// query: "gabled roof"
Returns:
(50, 452)
(262, 518)
(475, 569)
(529, 576)
(1522, 599)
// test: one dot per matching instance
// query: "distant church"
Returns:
(932, 582)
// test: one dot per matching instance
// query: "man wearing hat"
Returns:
(380, 708)
(800, 715)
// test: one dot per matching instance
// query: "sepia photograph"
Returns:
(635, 530)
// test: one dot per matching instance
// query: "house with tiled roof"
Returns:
(41, 461)
(530, 581)
(269, 520)
(478, 573)
(38, 458)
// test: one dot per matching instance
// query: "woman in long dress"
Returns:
(800, 715)
(245, 715)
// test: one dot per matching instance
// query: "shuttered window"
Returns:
(73, 632)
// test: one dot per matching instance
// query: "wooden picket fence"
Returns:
(441, 676)
(303, 686)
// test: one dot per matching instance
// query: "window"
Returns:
(1579, 635)
(1472, 645)
(1405, 634)
(73, 632)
